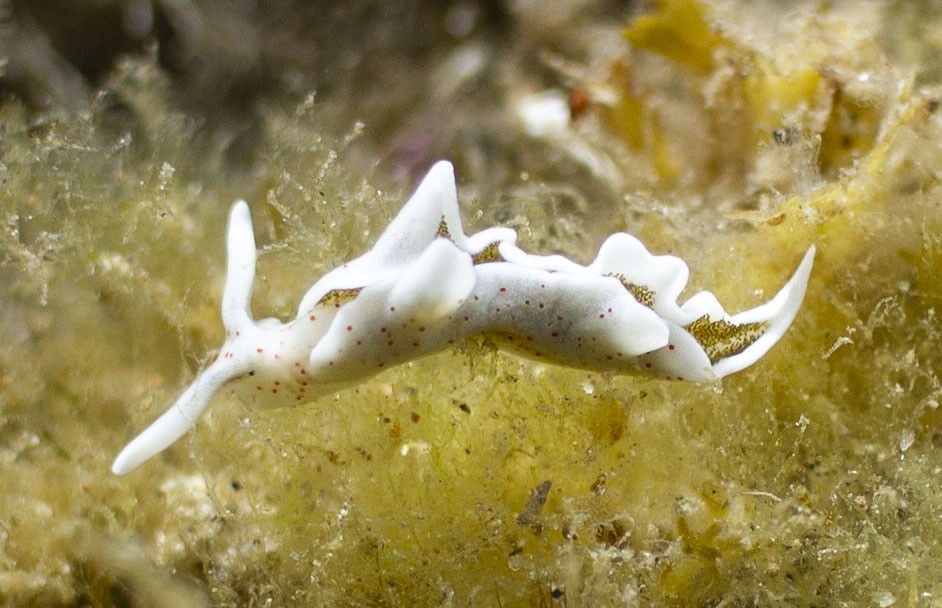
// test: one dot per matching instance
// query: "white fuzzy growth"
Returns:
(426, 285)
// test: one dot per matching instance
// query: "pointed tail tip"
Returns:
(178, 419)
(793, 294)
(141, 449)
(804, 268)
(778, 313)
(782, 308)
(787, 302)
(123, 464)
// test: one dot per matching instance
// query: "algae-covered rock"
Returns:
(474, 477)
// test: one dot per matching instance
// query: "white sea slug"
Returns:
(426, 285)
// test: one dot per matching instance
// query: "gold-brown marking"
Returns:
(487, 255)
(443, 230)
(722, 339)
(339, 297)
(642, 294)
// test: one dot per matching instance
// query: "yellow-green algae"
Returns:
(811, 479)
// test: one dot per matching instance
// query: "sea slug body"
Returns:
(425, 285)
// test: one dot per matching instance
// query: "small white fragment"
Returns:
(906, 440)
(544, 113)
(419, 447)
(884, 599)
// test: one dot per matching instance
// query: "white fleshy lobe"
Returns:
(425, 285)
(434, 285)
(664, 275)
(397, 319)
(581, 320)
(405, 239)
